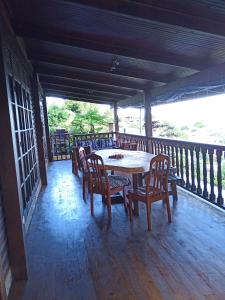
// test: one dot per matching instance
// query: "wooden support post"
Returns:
(12, 199)
(47, 129)
(39, 130)
(148, 119)
(116, 119)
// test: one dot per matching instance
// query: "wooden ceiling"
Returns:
(106, 51)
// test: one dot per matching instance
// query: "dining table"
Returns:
(131, 162)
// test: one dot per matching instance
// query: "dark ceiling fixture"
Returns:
(115, 64)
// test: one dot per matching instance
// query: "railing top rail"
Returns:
(176, 142)
(193, 144)
(132, 135)
(81, 134)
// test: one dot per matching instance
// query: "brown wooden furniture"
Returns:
(156, 187)
(84, 169)
(74, 157)
(128, 146)
(134, 163)
(102, 183)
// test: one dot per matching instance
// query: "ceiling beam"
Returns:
(52, 93)
(83, 94)
(84, 91)
(85, 84)
(96, 79)
(104, 69)
(182, 15)
(106, 45)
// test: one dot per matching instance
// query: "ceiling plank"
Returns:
(106, 45)
(70, 96)
(114, 82)
(199, 20)
(79, 94)
(73, 82)
(85, 91)
(105, 69)
(86, 96)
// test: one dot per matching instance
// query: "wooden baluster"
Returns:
(172, 156)
(169, 153)
(211, 172)
(205, 188)
(157, 149)
(187, 167)
(219, 177)
(199, 189)
(165, 149)
(181, 166)
(154, 147)
(193, 186)
(177, 160)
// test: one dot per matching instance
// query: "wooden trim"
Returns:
(89, 77)
(39, 130)
(67, 82)
(202, 20)
(116, 118)
(47, 129)
(88, 92)
(86, 65)
(148, 117)
(105, 45)
(8, 172)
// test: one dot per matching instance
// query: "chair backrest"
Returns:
(83, 163)
(83, 152)
(97, 172)
(133, 146)
(157, 181)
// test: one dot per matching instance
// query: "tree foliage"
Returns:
(57, 117)
(78, 117)
(73, 106)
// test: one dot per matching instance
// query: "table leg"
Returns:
(135, 178)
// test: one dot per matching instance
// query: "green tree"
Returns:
(57, 116)
(73, 106)
(199, 124)
(90, 121)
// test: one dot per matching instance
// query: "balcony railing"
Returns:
(62, 143)
(201, 167)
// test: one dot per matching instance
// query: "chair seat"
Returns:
(115, 181)
(140, 192)
(118, 181)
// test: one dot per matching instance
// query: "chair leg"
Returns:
(130, 210)
(92, 203)
(168, 209)
(84, 183)
(174, 190)
(124, 197)
(108, 199)
(149, 210)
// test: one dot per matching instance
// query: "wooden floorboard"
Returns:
(74, 256)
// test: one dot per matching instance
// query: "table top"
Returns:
(133, 161)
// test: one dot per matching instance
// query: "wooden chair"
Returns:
(102, 183)
(133, 146)
(156, 187)
(75, 160)
(84, 168)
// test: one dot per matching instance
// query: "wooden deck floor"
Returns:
(74, 256)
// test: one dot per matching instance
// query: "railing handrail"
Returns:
(175, 141)
(81, 134)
